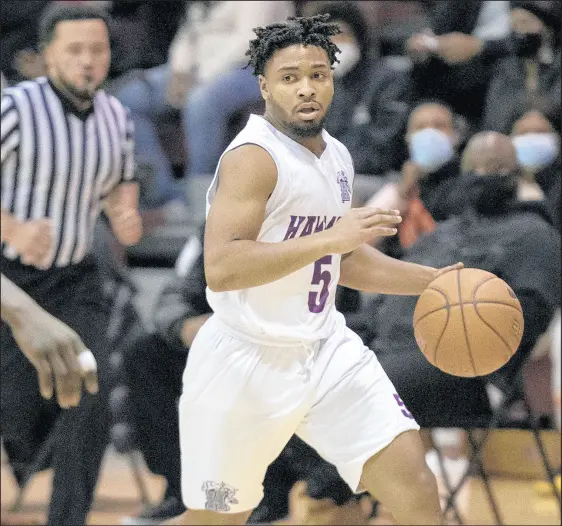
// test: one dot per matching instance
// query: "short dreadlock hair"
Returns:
(310, 31)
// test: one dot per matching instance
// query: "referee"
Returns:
(67, 153)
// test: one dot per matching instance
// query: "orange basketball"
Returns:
(468, 322)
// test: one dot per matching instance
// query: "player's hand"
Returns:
(444, 270)
(126, 224)
(32, 240)
(361, 225)
(53, 348)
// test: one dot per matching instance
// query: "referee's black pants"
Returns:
(74, 295)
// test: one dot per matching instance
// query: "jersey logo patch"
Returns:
(344, 187)
(219, 496)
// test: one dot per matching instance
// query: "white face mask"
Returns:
(535, 150)
(348, 58)
(431, 149)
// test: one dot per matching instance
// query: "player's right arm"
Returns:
(233, 258)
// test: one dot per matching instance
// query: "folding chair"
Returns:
(514, 393)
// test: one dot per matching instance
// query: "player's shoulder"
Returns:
(248, 156)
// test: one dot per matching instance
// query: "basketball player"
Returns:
(51, 346)
(276, 358)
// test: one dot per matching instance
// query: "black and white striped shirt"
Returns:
(58, 163)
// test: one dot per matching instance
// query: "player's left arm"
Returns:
(369, 270)
(122, 203)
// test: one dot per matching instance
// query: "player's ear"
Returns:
(263, 87)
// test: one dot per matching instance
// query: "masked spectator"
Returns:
(538, 153)
(427, 177)
(495, 232)
(367, 120)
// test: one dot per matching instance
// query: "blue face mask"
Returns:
(535, 150)
(431, 149)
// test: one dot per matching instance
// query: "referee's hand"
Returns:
(54, 349)
(32, 240)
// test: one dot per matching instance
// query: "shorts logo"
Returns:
(219, 496)
(344, 187)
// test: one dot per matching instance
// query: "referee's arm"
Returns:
(10, 139)
(30, 239)
(122, 203)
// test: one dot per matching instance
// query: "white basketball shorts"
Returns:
(242, 402)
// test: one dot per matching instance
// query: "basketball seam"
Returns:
(458, 304)
(464, 323)
(441, 337)
(475, 304)
(490, 278)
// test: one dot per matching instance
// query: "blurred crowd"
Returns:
(451, 112)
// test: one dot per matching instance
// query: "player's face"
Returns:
(298, 88)
(78, 56)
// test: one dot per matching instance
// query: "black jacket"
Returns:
(520, 246)
(507, 99)
(549, 181)
(369, 114)
(184, 297)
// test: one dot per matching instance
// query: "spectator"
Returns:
(220, 87)
(453, 57)
(538, 153)
(366, 121)
(204, 78)
(153, 25)
(530, 77)
(427, 177)
(514, 240)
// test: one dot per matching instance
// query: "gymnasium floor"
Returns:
(117, 496)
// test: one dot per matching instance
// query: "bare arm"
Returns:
(233, 258)
(121, 208)
(50, 345)
(369, 270)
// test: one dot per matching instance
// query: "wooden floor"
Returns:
(117, 496)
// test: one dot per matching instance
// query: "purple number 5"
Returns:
(317, 301)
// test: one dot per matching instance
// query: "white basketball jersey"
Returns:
(311, 194)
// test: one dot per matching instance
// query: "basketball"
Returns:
(468, 322)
